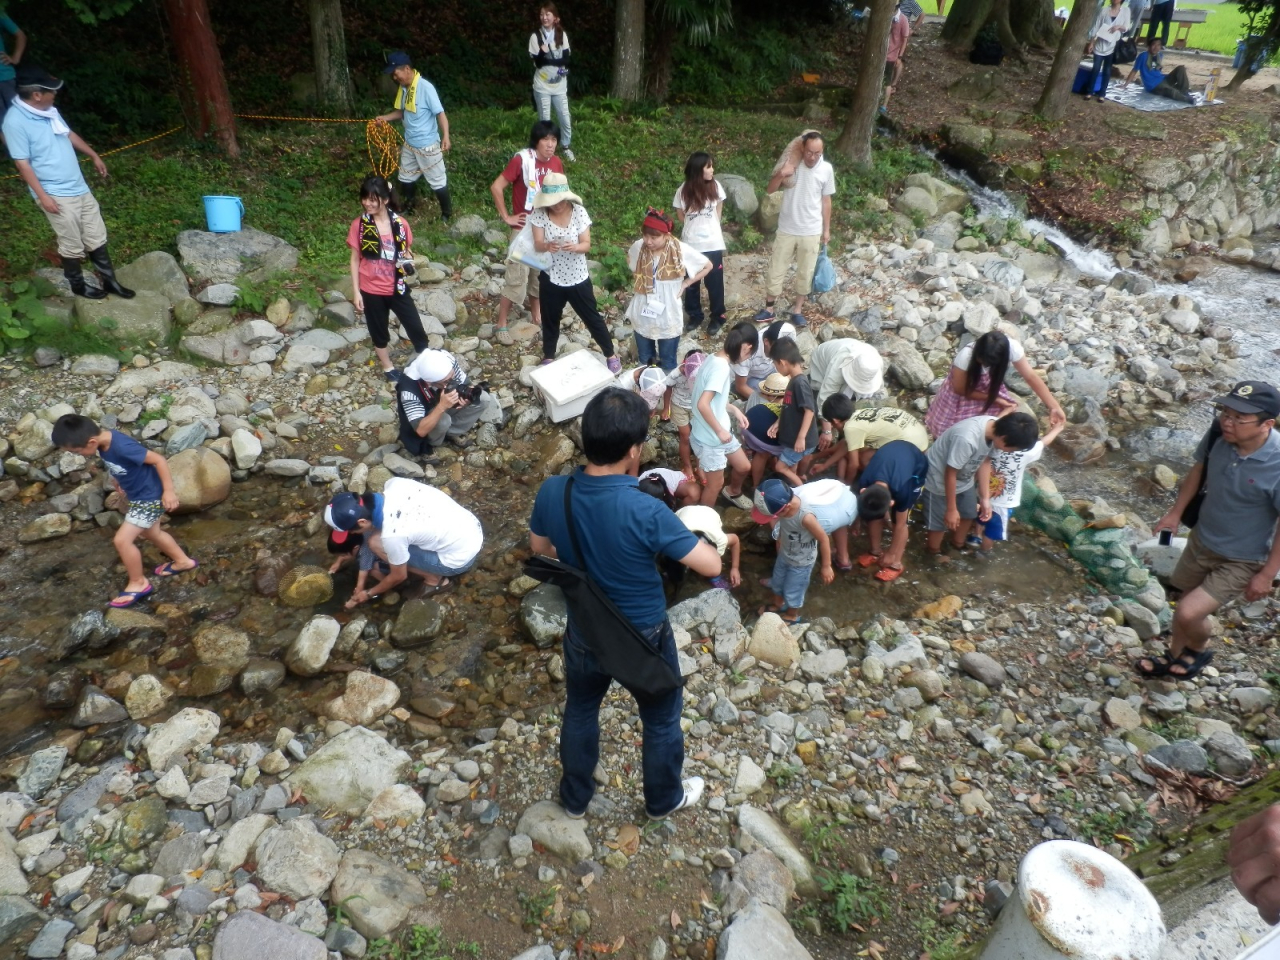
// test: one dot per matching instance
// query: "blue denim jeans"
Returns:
(428, 561)
(663, 746)
(790, 582)
(664, 351)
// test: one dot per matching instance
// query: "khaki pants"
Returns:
(78, 226)
(804, 250)
(521, 280)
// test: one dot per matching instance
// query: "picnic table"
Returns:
(1183, 21)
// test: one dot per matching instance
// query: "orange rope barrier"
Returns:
(108, 153)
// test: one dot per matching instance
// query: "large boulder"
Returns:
(310, 650)
(222, 257)
(366, 698)
(739, 194)
(771, 835)
(157, 272)
(760, 932)
(296, 859)
(251, 936)
(201, 479)
(544, 614)
(221, 645)
(547, 823)
(772, 642)
(377, 895)
(907, 365)
(349, 771)
(143, 319)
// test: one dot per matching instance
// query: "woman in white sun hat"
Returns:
(845, 366)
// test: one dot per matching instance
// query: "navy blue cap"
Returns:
(345, 512)
(397, 59)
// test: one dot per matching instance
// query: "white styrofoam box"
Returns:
(569, 383)
(1161, 559)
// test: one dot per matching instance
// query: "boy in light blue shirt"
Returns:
(426, 134)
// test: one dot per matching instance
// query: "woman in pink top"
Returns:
(899, 32)
(381, 257)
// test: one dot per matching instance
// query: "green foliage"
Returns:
(1103, 825)
(852, 899)
(732, 67)
(536, 907)
(783, 773)
(25, 324)
(615, 270)
(940, 946)
(161, 412)
(420, 943)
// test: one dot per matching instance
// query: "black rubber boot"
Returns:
(446, 204)
(75, 276)
(101, 260)
(408, 194)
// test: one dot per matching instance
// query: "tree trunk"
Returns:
(854, 141)
(1053, 100)
(1019, 24)
(628, 51)
(200, 65)
(329, 50)
(665, 36)
(1253, 48)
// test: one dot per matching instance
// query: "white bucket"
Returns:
(1074, 901)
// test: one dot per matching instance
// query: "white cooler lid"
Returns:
(571, 377)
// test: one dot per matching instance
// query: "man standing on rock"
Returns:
(621, 532)
(44, 149)
(804, 224)
(1233, 550)
(426, 134)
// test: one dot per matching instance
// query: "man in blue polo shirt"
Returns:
(9, 59)
(44, 149)
(892, 480)
(1173, 85)
(621, 531)
(426, 134)
(1233, 550)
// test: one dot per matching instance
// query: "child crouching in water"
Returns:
(704, 522)
(142, 476)
(801, 543)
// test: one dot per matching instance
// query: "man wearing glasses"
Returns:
(1233, 550)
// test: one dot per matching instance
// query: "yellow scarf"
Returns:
(407, 97)
(666, 264)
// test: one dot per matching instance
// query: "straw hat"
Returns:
(775, 385)
(863, 369)
(555, 187)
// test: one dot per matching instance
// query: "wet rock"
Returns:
(201, 479)
(398, 802)
(187, 730)
(1230, 754)
(238, 842)
(379, 896)
(251, 936)
(1185, 755)
(41, 771)
(141, 822)
(267, 576)
(207, 681)
(49, 527)
(220, 645)
(305, 586)
(261, 676)
(418, 622)
(771, 834)
(760, 932)
(310, 650)
(544, 615)
(547, 823)
(984, 669)
(366, 698)
(96, 707)
(296, 859)
(349, 771)
(772, 642)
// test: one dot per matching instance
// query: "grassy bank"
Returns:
(299, 181)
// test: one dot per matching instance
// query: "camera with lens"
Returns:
(468, 391)
(405, 264)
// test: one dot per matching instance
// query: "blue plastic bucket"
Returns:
(223, 214)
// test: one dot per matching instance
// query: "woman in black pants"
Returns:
(381, 244)
(699, 200)
(1161, 13)
(562, 228)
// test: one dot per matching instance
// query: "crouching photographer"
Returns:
(438, 404)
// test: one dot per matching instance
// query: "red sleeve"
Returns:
(513, 172)
(353, 235)
(408, 232)
(556, 165)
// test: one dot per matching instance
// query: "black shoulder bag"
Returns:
(621, 650)
(1191, 515)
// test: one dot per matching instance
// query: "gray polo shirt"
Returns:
(963, 447)
(1242, 499)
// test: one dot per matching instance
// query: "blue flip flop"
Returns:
(135, 597)
(166, 570)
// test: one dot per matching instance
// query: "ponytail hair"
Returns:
(551, 7)
(990, 351)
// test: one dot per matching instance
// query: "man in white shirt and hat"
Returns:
(437, 404)
(845, 366)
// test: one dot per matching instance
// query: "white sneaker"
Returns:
(693, 788)
(568, 155)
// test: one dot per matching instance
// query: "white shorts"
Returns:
(714, 457)
(427, 162)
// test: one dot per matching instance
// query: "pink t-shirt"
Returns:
(899, 31)
(378, 276)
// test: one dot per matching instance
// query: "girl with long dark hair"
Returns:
(549, 48)
(975, 385)
(699, 200)
(381, 243)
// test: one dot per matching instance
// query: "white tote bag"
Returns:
(521, 250)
